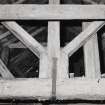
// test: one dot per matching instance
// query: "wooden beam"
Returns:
(6, 74)
(24, 37)
(5, 55)
(53, 47)
(51, 12)
(20, 44)
(7, 33)
(25, 88)
(81, 89)
(54, 2)
(91, 56)
(4, 35)
(67, 89)
(63, 67)
(90, 1)
(83, 37)
(53, 43)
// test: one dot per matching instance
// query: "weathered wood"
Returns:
(53, 48)
(5, 73)
(5, 55)
(25, 88)
(14, 39)
(54, 2)
(7, 33)
(63, 67)
(91, 56)
(83, 89)
(20, 44)
(53, 43)
(24, 37)
(82, 38)
(44, 66)
(49, 12)
(54, 77)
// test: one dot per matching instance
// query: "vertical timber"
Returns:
(91, 56)
(53, 39)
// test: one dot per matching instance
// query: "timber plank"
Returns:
(5, 73)
(91, 56)
(51, 12)
(24, 37)
(82, 89)
(83, 37)
(25, 88)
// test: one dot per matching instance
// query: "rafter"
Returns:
(20, 44)
(83, 37)
(6, 74)
(25, 88)
(24, 37)
(51, 12)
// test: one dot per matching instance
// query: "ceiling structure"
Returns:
(20, 61)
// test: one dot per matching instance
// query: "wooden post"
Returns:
(54, 47)
(63, 67)
(75, 44)
(20, 44)
(44, 66)
(5, 73)
(91, 56)
(53, 41)
(25, 89)
(51, 12)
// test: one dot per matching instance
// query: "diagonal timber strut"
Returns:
(83, 37)
(25, 38)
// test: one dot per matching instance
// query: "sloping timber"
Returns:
(53, 48)
(24, 37)
(91, 56)
(51, 12)
(5, 55)
(20, 44)
(83, 37)
(7, 33)
(5, 73)
(53, 42)
(25, 88)
(81, 89)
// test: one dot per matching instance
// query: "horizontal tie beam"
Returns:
(51, 12)
(25, 88)
(25, 38)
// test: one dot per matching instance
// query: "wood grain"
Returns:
(83, 37)
(51, 12)
(83, 89)
(91, 56)
(25, 88)
(24, 37)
